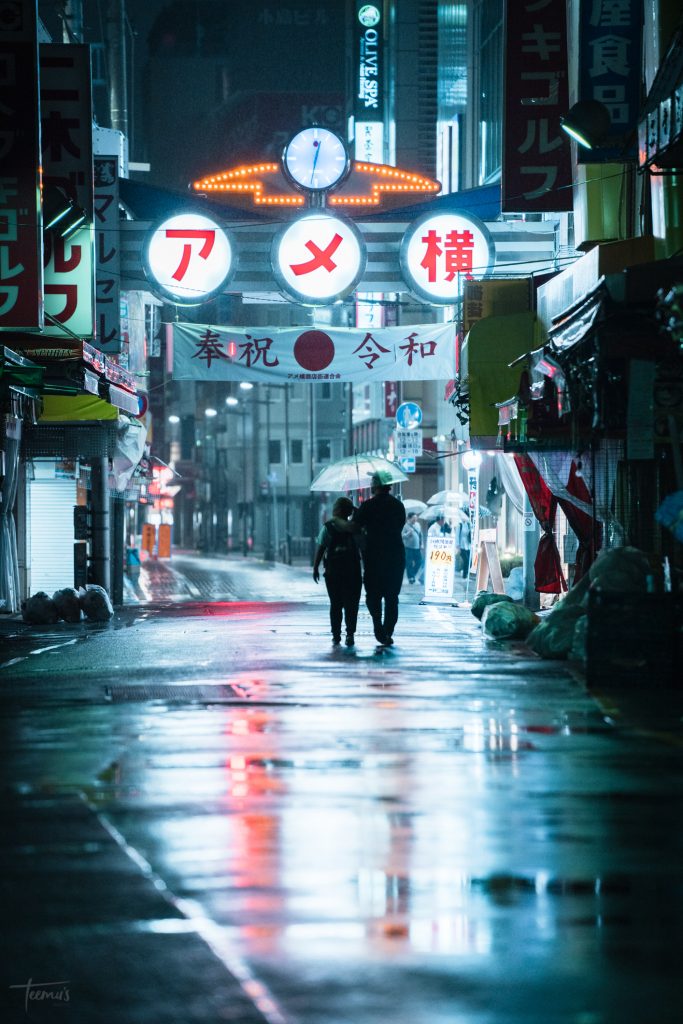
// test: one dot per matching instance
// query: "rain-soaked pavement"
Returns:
(209, 814)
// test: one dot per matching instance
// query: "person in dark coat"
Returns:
(381, 519)
(338, 550)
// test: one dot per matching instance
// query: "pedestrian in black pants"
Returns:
(338, 550)
(412, 542)
(381, 519)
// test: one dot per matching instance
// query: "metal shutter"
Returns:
(51, 533)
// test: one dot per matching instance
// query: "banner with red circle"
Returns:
(350, 355)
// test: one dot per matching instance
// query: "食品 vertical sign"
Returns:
(21, 254)
(536, 154)
(368, 107)
(610, 43)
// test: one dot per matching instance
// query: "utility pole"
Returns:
(312, 454)
(288, 535)
(268, 553)
(118, 81)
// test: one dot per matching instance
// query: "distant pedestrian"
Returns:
(440, 527)
(382, 518)
(463, 542)
(339, 553)
(412, 542)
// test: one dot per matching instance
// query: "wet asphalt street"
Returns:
(209, 814)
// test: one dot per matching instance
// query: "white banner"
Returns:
(439, 570)
(348, 355)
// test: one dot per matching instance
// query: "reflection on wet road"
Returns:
(444, 832)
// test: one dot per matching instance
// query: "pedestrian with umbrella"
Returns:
(381, 519)
(338, 549)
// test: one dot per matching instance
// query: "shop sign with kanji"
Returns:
(411, 352)
(537, 173)
(66, 122)
(189, 258)
(318, 258)
(440, 252)
(21, 271)
(610, 45)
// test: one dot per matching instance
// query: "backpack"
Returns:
(341, 552)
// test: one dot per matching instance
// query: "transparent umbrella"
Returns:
(447, 498)
(414, 505)
(451, 513)
(355, 472)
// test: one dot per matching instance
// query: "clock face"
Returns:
(316, 159)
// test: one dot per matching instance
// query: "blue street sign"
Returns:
(409, 415)
(407, 463)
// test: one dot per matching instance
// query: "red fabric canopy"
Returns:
(549, 578)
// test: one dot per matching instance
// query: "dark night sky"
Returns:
(218, 82)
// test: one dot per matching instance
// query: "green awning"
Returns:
(72, 408)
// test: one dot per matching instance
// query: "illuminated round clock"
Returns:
(316, 159)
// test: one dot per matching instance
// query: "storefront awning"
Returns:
(492, 345)
(74, 408)
(579, 320)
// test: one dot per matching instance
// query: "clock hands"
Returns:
(317, 145)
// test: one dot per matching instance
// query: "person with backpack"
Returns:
(339, 553)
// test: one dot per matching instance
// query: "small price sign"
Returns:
(439, 567)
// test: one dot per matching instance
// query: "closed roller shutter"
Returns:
(51, 518)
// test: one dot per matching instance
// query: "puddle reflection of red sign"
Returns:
(314, 350)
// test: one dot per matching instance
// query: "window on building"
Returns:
(324, 449)
(297, 451)
(326, 390)
(274, 452)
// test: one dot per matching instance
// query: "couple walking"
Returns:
(376, 530)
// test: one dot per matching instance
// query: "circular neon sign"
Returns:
(318, 258)
(189, 258)
(439, 252)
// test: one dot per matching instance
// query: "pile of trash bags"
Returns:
(562, 632)
(68, 604)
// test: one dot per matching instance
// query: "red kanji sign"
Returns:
(536, 153)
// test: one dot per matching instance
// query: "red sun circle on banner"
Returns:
(314, 350)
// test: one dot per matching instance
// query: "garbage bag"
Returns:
(508, 621)
(484, 599)
(552, 637)
(96, 604)
(68, 604)
(514, 584)
(577, 651)
(577, 595)
(39, 610)
(624, 570)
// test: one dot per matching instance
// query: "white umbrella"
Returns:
(355, 472)
(413, 505)
(454, 515)
(447, 498)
